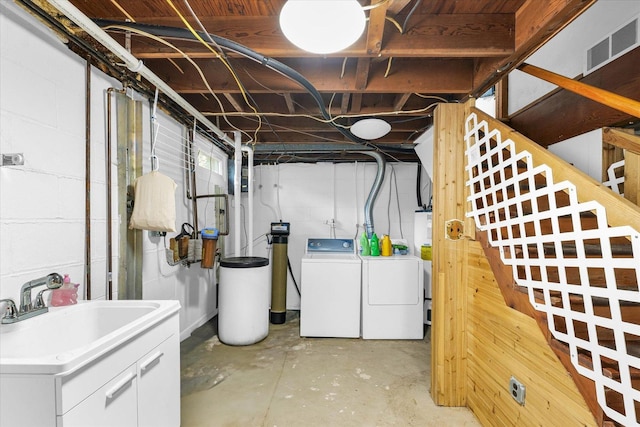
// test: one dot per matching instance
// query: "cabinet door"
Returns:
(159, 385)
(113, 404)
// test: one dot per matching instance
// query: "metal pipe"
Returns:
(375, 188)
(237, 191)
(87, 179)
(191, 178)
(133, 63)
(109, 201)
(249, 150)
(225, 231)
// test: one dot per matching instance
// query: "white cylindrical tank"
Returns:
(244, 298)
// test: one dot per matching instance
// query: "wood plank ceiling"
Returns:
(414, 54)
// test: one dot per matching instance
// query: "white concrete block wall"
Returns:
(311, 194)
(42, 205)
(42, 116)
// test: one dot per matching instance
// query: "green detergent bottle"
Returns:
(365, 250)
(375, 245)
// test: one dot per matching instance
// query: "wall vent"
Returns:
(614, 45)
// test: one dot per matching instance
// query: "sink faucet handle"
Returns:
(10, 309)
(40, 299)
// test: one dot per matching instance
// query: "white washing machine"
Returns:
(392, 297)
(330, 289)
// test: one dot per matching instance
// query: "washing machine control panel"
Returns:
(319, 245)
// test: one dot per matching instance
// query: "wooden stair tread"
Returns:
(609, 367)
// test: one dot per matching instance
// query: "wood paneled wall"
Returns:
(502, 342)
(478, 342)
(448, 353)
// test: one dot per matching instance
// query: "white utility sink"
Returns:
(67, 338)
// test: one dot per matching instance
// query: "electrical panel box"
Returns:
(244, 177)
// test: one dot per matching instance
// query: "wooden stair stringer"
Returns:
(520, 301)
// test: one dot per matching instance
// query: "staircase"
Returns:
(570, 262)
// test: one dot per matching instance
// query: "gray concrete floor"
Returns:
(286, 380)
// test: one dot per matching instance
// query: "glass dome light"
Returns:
(322, 26)
(370, 128)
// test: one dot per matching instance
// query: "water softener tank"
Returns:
(280, 234)
(243, 313)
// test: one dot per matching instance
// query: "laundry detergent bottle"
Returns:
(365, 250)
(385, 246)
(375, 245)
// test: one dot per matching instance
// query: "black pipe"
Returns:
(419, 184)
(285, 70)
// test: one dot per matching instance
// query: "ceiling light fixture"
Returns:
(322, 26)
(370, 129)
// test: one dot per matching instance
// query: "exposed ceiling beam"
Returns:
(400, 101)
(410, 75)
(375, 29)
(535, 23)
(344, 103)
(362, 73)
(446, 35)
(288, 98)
(237, 105)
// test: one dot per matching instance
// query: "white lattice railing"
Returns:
(514, 207)
(615, 173)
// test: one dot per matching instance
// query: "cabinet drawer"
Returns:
(76, 386)
(113, 404)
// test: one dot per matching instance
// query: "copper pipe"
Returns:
(601, 96)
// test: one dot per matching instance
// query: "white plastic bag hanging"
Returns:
(155, 203)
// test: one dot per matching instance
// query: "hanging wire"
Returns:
(218, 56)
(154, 137)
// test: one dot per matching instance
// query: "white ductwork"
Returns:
(133, 63)
(249, 216)
(237, 192)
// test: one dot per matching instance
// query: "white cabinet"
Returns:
(142, 388)
(113, 404)
(134, 383)
(159, 385)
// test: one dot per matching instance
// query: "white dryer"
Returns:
(392, 297)
(330, 289)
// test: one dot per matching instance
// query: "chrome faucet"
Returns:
(53, 281)
(27, 309)
(10, 309)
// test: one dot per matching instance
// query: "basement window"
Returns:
(209, 162)
(613, 46)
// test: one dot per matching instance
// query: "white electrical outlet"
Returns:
(517, 390)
